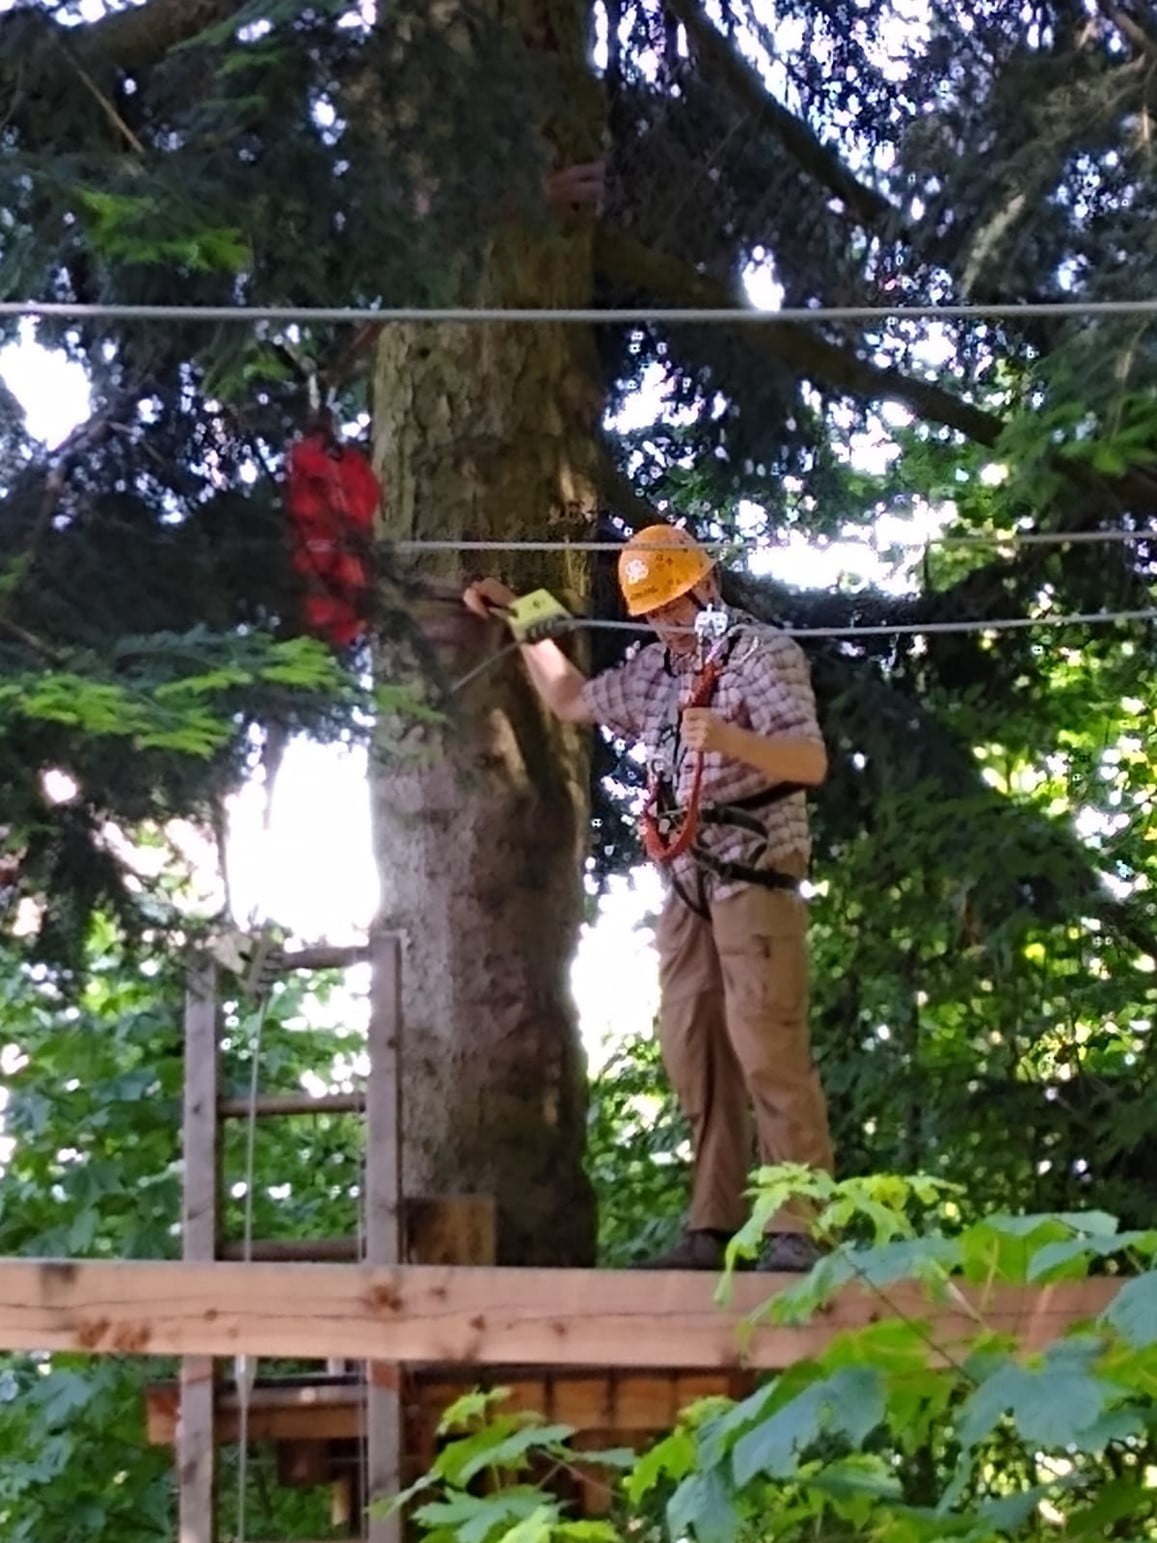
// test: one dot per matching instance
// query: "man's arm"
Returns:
(780, 757)
(784, 741)
(558, 682)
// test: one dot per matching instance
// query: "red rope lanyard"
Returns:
(683, 828)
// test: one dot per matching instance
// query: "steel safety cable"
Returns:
(577, 315)
(754, 545)
(882, 629)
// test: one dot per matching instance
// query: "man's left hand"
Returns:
(706, 730)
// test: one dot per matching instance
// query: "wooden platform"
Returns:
(317, 1425)
(333, 1409)
(418, 1315)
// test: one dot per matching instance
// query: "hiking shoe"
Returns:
(788, 1252)
(695, 1250)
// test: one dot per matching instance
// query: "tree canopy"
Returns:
(983, 922)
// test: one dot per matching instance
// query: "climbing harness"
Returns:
(669, 831)
(332, 498)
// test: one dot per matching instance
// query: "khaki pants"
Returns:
(734, 1037)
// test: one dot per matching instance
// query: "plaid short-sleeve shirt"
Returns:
(765, 686)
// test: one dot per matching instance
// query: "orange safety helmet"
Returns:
(659, 564)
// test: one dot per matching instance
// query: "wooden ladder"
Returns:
(204, 1111)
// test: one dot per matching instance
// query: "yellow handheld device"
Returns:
(536, 616)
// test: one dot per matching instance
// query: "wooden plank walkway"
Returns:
(422, 1314)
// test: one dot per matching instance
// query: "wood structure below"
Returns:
(623, 1403)
(317, 1425)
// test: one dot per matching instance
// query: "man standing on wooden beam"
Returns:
(725, 709)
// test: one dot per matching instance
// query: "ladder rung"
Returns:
(295, 1250)
(268, 1104)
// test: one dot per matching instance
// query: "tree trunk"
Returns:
(480, 823)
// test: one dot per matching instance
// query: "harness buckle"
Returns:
(711, 624)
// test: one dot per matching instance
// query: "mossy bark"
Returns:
(487, 432)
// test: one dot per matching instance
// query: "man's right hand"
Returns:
(558, 682)
(485, 596)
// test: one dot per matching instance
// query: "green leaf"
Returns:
(535, 1528)
(717, 1435)
(1084, 1223)
(851, 1403)
(475, 1518)
(1006, 1513)
(1001, 1248)
(773, 1188)
(703, 1505)
(222, 679)
(799, 1302)
(472, 1406)
(671, 1458)
(892, 1346)
(82, 1231)
(920, 1259)
(511, 1450)
(1055, 1260)
(64, 1394)
(611, 1457)
(1051, 1404)
(927, 1260)
(222, 249)
(860, 1473)
(1112, 1425)
(1118, 1499)
(1133, 1311)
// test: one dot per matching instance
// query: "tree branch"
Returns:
(869, 207)
(885, 715)
(40, 60)
(997, 589)
(107, 107)
(981, 594)
(629, 263)
(1129, 27)
(136, 39)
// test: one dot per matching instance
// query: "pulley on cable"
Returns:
(332, 499)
